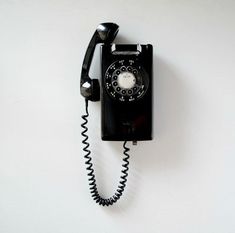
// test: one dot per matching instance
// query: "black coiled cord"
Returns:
(92, 181)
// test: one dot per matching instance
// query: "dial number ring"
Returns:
(126, 81)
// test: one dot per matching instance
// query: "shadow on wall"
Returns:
(168, 149)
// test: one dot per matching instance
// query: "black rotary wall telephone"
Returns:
(125, 91)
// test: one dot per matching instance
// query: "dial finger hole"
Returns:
(123, 68)
(115, 84)
(135, 71)
(129, 68)
(129, 92)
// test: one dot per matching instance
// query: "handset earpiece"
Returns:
(105, 33)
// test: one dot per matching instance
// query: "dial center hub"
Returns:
(126, 80)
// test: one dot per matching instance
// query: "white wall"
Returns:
(182, 181)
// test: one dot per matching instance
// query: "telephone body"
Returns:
(126, 93)
(125, 90)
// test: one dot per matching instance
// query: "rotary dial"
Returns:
(126, 80)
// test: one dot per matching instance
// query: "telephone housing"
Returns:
(126, 92)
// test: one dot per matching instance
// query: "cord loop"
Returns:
(89, 167)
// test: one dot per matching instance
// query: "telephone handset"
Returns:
(125, 91)
(105, 33)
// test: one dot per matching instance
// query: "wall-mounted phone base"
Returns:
(126, 98)
(126, 94)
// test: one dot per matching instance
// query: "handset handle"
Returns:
(88, 56)
(105, 33)
(89, 88)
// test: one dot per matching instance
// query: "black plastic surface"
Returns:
(126, 118)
